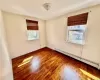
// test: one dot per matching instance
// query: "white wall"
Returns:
(57, 35)
(0, 50)
(16, 30)
(5, 62)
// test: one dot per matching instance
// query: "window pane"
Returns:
(33, 34)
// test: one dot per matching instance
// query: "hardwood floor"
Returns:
(46, 64)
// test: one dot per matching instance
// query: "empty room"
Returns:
(49, 39)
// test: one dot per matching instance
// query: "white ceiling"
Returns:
(34, 8)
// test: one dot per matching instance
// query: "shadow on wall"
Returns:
(5, 63)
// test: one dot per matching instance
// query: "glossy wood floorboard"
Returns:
(46, 64)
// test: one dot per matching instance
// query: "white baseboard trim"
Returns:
(90, 63)
(96, 65)
(68, 54)
(99, 67)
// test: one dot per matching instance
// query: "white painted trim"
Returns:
(68, 54)
(79, 58)
(90, 63)
(99, 67)
(75, 7)
(85, 4)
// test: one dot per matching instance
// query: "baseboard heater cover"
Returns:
(68, 54)
(99, 67)
(80, 59)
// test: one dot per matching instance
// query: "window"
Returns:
(33, 34)
(76, 28)
(32, 30)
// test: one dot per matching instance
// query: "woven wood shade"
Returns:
(77, 19)
(32, 25)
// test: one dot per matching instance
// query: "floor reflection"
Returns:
(51, 65)
(35, 64)
(68, 73)
(73, 73)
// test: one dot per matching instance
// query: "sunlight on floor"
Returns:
(25, 61)
(90, 76)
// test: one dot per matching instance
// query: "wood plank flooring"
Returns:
(47, 64)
